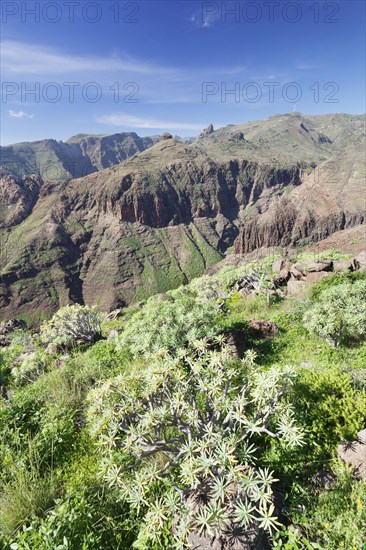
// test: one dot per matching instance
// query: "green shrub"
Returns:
(30, 369)
(186, 426)
(335, 519)
(330, 408)
(27, 494)
(171, 322)
(71, 325)
(334, 280)
(79, 522)
(339, 313)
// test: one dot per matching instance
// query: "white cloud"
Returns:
(206, 18)
(19, 114)
(138, 122)
(19, 57)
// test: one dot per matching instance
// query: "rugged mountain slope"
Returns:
(78, 156)
(161, 217)
(330, 198)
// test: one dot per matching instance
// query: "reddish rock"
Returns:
(309, 266)
(359, 263)
(295, 273)
(263, 329)
(278, 265)
(354, 453)
(315, 277)
(342, 265)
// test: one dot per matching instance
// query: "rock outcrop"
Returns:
(206, 132)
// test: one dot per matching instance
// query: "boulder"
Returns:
(281, 265)
(52, 349)
(310, 266)
(278, 265)
(354, 453)
(248, 283)
(359, 263)
(343, 265)
(295, 273)
(316, 276)
(4, 341)
(263, 329)
(281, 278)
(294, 287)
(280, 293)
(23, 357)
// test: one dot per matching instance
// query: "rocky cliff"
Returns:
(168, 213)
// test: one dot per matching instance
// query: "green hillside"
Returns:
(183, 418)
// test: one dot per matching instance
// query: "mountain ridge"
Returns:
(164, 215)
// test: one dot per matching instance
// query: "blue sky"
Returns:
(149, 67)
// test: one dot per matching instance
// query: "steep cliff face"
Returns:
(168, 213)
(18, 195)
(330, 198)
(172, 184)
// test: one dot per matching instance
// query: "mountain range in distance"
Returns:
(151, 213)
(78, 156)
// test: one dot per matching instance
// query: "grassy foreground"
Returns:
(93, 455)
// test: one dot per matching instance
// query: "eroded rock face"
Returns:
(310, 212)
(168, 213)
(18, 195)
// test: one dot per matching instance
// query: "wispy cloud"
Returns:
(19, 114)
(23, 58)
(139, 122)
(207, 16)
